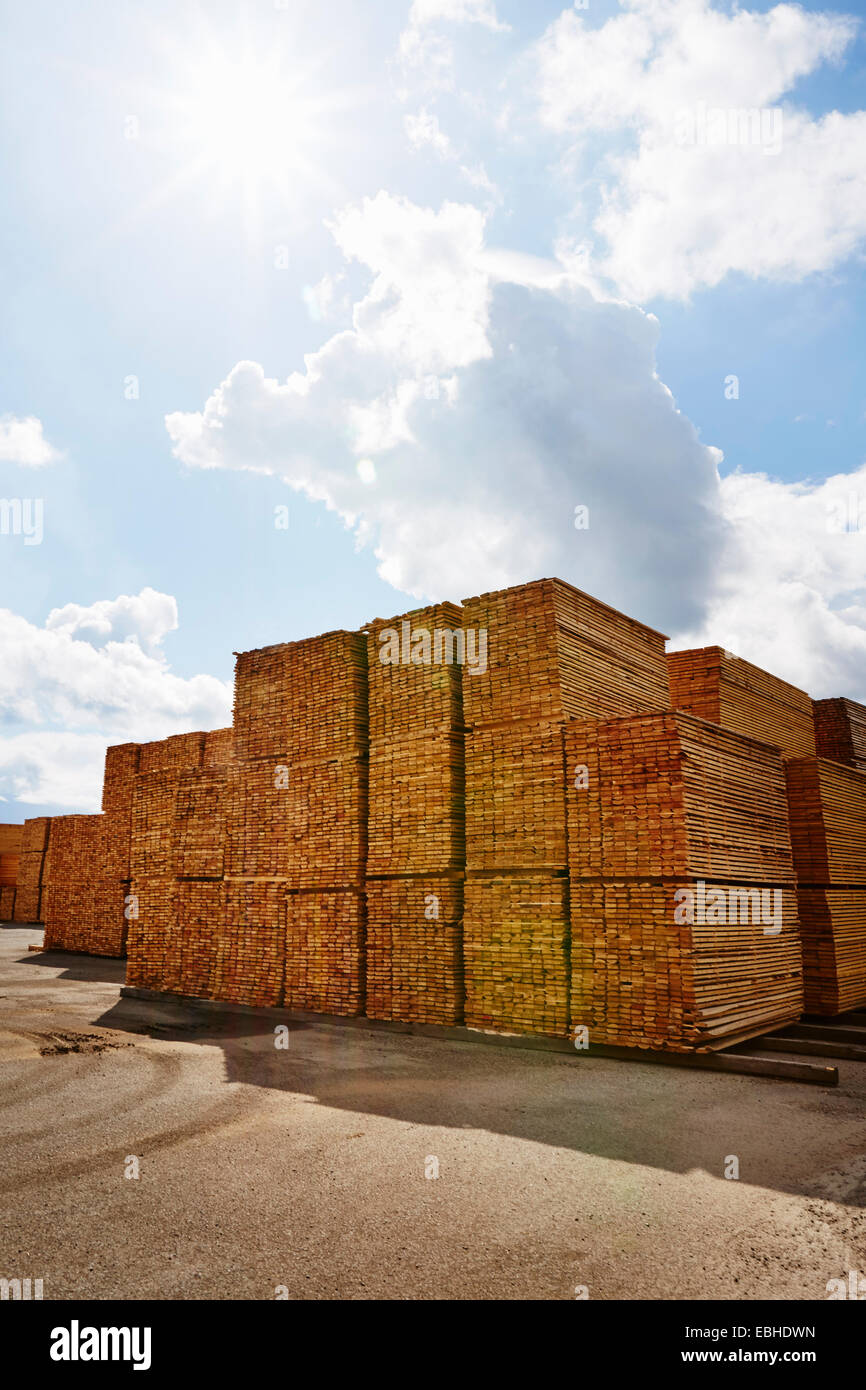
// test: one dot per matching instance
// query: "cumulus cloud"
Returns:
(426, 49)
(492, 398)
(144, 618)
(481, 396)
(91, 676)
(707, 173)
(22, 441)
(792, 591)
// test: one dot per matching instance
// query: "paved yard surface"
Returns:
(305, 1167)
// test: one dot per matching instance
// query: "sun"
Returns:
(246, 116)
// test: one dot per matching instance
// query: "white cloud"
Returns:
(424, 48)
(494, 397)
(22, 441)
(792, 597)
(677, 216)
(424, 129)
(493, 394)
(64, 698)
(144, 618)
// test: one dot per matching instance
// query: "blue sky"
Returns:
(515, 293)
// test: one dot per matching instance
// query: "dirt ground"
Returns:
(312, 1170)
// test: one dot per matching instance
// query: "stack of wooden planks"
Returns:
(537, 655)
(827, 808)
(32, 876)
(83, 908)
(10, 848)
(296, 826)
(683, 907)
(722, 688)
(416, 832)
(840, 731)
(176, 790)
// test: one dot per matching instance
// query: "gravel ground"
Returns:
(307, 1168)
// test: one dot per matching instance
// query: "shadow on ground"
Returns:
(635, 1113)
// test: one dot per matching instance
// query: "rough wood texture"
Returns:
(827, 807)
(28, 898)
(150, 945)
(302, 701)
(305, 822)
(670, 795)
(515, 798)
(840, 731)
(176, 753)
(554, 653)
(87, 916)
(252, 946)
(10, 838)
(724, 689)
(416, 811)
(324, 969)
(414, 949)
(833, 924)
(419, 692)
(219, 750)
(515, 947)
(7, 904)
(199, 824)
(642, 977)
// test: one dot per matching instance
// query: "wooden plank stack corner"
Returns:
(683, 906)
(827, 807)
(550, 653)
(840, 731)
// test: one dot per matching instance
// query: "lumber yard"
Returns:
(515, 816)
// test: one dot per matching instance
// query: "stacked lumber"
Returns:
(827, 808)
(324, 951)
(414, 949)
(251, 949)
(151, 943)
(296, 827)
(551, 652)
(177, 753)
(219, 750)
(122, 762)
(642, 975)
(301, 822)
(670, 795)
(10, 847)
(515, 952)
(199, 824)
(83, 908)
(833, 924)
(300, 701)
(722, 688)
(545, 652)
(10, 838)
(416, 820)
(32, 869)
(684, 928)
(840, 731)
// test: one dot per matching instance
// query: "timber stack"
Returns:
(827, 807)
(683, 894)
(32, 869)
(416, 831)
(840, 731)
(544, 653)
(720, 687)
(293, 924)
